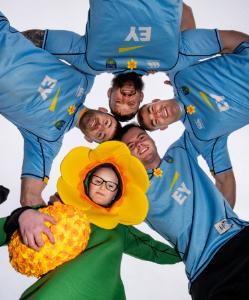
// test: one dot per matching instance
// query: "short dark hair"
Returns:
(119, 80)
(117, 130)
(126, 128)
(141, 120)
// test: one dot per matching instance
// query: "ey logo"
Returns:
(46, 87)
(137, 34)
(181, 193)
(220, 102)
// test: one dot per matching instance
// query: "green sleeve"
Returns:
(3, 236)
(143, 246)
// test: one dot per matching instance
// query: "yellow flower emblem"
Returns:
(132, 64)
(191, 109)
(158, 172)
(71, 109)
(132, 206)
(68, 243)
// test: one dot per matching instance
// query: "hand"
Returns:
(32, 225)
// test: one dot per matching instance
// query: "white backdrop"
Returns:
(142, 280)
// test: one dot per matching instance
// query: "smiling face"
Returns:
(159, 114)
(125, 95)
(98, 126)
(103, 186)
(142, 146)
(125, 100)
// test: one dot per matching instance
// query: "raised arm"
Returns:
(31, 191)
(64, 44)
(188, 20)
(36, 36)
(230, 39)
(143, 246)
(38, 158)
(215, 152)
(226, 184)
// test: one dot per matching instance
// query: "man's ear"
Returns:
(141, 97)
(109, 92)
(103, 109)
(164, 127)
(88, 139)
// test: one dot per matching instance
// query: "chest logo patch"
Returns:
(222, 226)
(181, 193)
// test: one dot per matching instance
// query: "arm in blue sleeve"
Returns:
(200, 42)
(38, 156)
(216, 154)
(66, 45)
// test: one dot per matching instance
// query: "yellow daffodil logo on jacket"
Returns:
(191, 109)
(132, 206)
(132, 64)
(158, 172)
(71, 109)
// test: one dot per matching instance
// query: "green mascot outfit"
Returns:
(95, 273)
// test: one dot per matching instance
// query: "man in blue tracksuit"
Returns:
(126, 50)
(44, 98)
(188, 211)
(212, 101)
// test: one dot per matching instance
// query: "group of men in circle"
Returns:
(185, 207)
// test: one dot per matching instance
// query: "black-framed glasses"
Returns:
(110, 186)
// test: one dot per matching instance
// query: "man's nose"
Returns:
(156, 113)
(102, 186)
(139, 145)
(126, 96)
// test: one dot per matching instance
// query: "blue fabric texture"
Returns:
(188, 210)
(215, 94)
(40, 95)
(120, 31)
(196, 44)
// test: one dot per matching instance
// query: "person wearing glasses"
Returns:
(104, 183)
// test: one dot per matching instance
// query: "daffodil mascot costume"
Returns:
(95, 273)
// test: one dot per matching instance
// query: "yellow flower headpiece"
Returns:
(132, 206)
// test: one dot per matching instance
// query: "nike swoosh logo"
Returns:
(54, 100)
(205, 98)
(175, 178)
(127, 49)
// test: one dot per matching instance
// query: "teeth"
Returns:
(165, 112)
(143, 150)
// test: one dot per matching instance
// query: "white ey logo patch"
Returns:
(222, 226)
(220, 102)
(46, 87)
(139, 34)
(181, 194)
